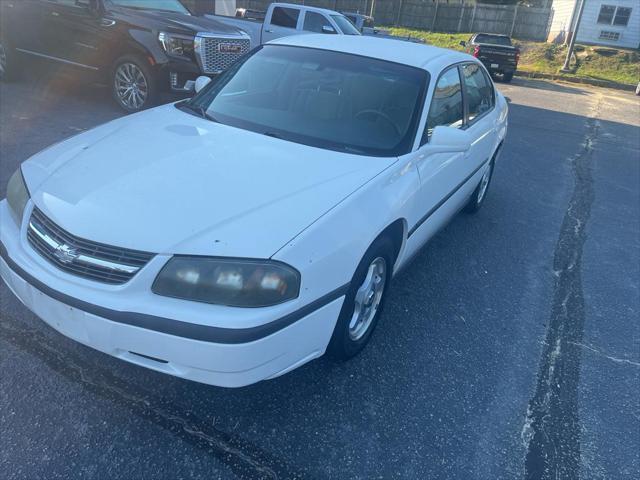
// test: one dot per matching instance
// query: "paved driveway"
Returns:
(509, 347)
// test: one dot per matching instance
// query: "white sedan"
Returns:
(235, 236)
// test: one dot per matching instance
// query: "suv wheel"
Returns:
(9, 67)
(364, 301)
(507, 77)
(133, 84)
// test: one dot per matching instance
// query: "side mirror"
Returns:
(201, 82)
(463, 43)
(449, 139)
(328, 29)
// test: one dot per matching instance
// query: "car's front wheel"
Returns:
(133, 84)
(364, 301)
(507, 77)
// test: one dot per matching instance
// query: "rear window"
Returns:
(494, 39)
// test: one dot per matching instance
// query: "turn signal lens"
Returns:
(17, 195)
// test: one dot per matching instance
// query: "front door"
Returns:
(440, 173)
(72, 33)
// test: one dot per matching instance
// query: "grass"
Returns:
(609, 64)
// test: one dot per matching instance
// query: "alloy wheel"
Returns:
(368, 299)
(484, 184)
(131, 86)
(3, 61)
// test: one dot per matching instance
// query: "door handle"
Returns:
(55, 14)
(105, 22)
(268, 31)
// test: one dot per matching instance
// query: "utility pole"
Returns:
(567, 61)
(373, 5)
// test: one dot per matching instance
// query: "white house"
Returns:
(613, 23)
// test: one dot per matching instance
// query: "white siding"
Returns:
(590, 29)
(561, 11)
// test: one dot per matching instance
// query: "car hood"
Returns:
(165, 181)
(179, 23)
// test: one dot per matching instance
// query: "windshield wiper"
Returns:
(198, 110)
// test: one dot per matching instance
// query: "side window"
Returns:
(478, 91)
(285, 17)
(446, 106)
(313, 22)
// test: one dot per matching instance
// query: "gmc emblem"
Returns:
(229, 48)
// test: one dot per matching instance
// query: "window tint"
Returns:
(446, 106)
(345, 25)
(325, 99)
(478, 91)
(493, 39)
(313, 22)
(285, 17)
(622, 16)
(606, 14)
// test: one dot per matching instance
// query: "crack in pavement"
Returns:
(551, 432)
(244, 459)
(625, 361)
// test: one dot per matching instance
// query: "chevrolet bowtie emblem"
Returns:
(65, 254)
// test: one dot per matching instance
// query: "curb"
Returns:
(587, 81)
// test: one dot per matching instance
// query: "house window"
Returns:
(622, 16)
(610, 15)
(606, 14)
(606, 35)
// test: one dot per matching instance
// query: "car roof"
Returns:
(392, 50)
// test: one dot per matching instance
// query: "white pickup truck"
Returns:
(285, 19)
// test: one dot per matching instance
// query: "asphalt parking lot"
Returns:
(510, 347)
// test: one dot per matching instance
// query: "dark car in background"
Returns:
(139, 47)
(496, 52)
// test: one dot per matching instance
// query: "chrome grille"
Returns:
(216, 54)
(84, 258)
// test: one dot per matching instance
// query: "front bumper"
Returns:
(189, 340)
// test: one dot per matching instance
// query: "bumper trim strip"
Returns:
(178, 328)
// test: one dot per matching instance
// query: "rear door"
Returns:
(20, 20)
(282, 23)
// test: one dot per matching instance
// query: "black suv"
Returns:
(140, 47)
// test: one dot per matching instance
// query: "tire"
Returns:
(133, 85)
(507, 77)
(351, 333)
(9, 64)
(480, 193)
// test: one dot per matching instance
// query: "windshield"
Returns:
(493, 39)
(320, 98)
(165, 5)
(345, 25)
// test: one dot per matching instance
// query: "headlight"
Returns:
(17, 195)
(176, 45)
(235, 283)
